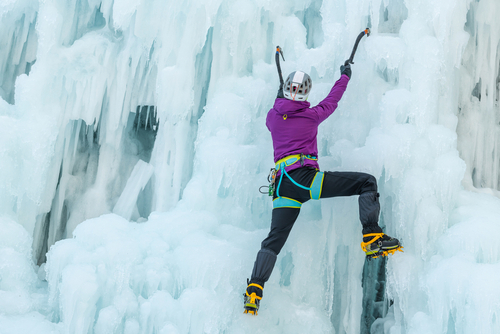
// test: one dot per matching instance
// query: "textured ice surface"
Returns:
(156, 111)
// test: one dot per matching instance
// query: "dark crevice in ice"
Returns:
(478, 130)
(392, 16)
(497, 80)
(145, 200)
(375, 303)
(77, 174)
(142, 128)
(42, 249)
(80, 153)
(249, 59)
(24, 38)
(203, 74)
(477, 90)
(477, 179)
(470, 23)
(339, 286)
(63, 221)
(373, 283)
(97, 20)
(389, 75)
(451, 324)
(312, 20)
(85, 20)
(223, 191)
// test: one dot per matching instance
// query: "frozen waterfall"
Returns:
(133, 144)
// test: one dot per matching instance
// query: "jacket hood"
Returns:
(285, 106)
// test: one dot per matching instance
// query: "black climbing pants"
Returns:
(334, 184)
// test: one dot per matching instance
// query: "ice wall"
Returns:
(479, 117)
(155, 111)
(19, 43)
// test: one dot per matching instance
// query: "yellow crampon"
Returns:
(375, 236)
(251, 304)
(387, 252)
(247, 311)
(365, 246)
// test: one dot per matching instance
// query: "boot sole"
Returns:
(373, 254)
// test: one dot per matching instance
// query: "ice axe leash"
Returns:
(351, 58)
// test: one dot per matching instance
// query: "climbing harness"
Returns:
(314, 189)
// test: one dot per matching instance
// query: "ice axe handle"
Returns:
(279, 52)
(361, 34)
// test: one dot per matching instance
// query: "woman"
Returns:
(294, 128)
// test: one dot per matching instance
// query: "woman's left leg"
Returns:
(353, 183)
(281, 225)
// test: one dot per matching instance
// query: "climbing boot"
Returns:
(252, 297)
(379, 244)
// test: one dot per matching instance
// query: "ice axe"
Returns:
(350, 60)
(279, 51)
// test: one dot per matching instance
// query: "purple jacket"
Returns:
(294, 126)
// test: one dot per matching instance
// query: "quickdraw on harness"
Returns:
(271, 178)
(314, 189)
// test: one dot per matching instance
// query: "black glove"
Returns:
(346, 69)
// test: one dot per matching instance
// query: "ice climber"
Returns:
(294, 127)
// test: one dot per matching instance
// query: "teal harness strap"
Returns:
(285, 202)
(314, 189)
(317, 185)
(278, 188)
(291, 159)
(293, 181)
(283, 171)
(288, 162)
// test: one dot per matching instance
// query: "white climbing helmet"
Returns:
(297, 86)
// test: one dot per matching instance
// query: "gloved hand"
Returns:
(346, 69)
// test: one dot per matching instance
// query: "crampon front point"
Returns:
(250, 310)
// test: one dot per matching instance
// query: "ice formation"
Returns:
(133, 144)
